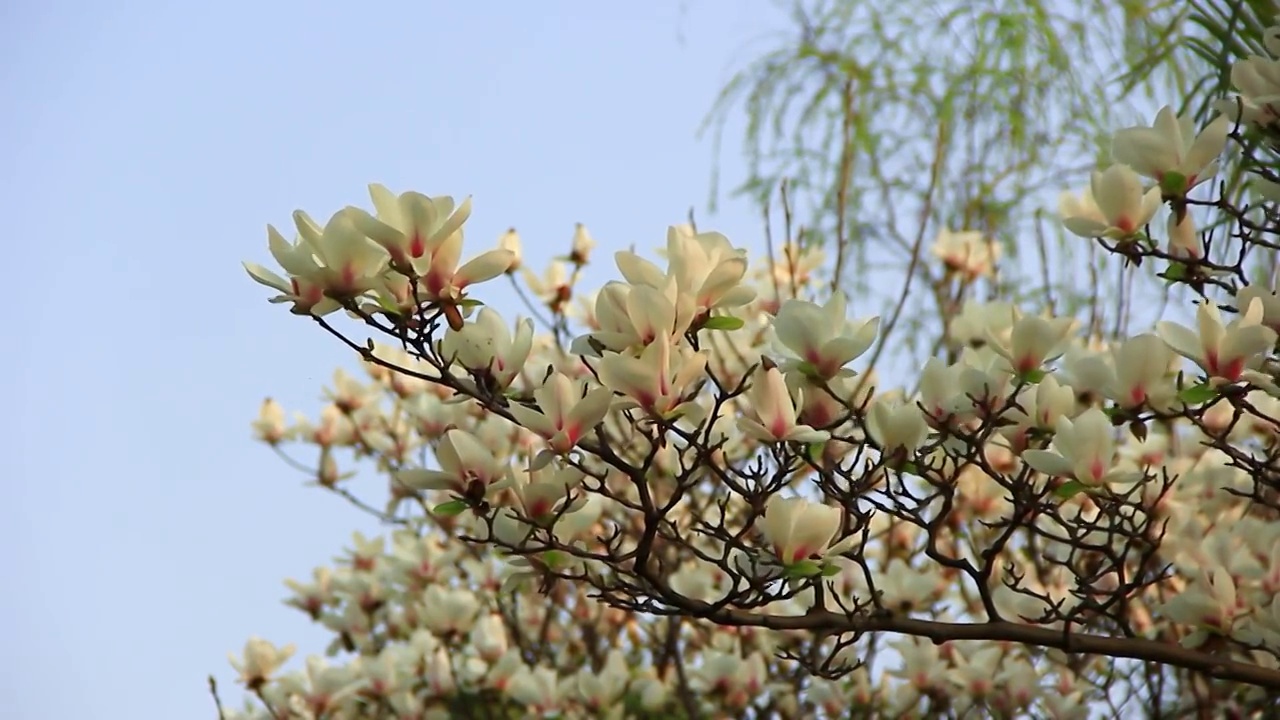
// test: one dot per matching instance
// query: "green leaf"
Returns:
(1198, 394)
(1070, 489)
(723, 322)
(1173, 184)
(469, 303)
(386, 304)
(803, 569)
(830, 570)
(451, 508)
(1033, 375)
(1177, 271)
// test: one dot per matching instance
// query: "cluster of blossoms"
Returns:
(694, 506)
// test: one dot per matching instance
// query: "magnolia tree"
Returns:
(690, 497)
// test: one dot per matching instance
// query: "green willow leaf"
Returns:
(723, 322)
(1198, 394)
(451, 508)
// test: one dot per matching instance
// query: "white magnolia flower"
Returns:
(1083, 449)
(797, 529)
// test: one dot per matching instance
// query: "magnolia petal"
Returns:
(377, 230)
(753, 429)
(1085, 227)
(268, 278)
(736, 297)
(1180, 339)
(484, 267)
(806, 434)
(630, 376)
(1247, 342)
(1049, 463)
(422, 479)
(591, 410)
(533, 420)
(1208, 145)
(800, 327)
(638, 271)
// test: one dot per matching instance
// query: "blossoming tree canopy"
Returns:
(690, 496)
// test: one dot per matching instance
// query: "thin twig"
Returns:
(217, 701)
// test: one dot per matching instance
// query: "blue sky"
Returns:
(146, 147)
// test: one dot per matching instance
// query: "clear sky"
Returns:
(146, 145)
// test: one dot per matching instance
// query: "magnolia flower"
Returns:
(797, 530)
(407, 704)
(510, 241)
(922, 664)
(541, 492)
(821, 404)
(1123, 209)
(783, 277)
(1083, 449)
(819, 339)
(334, 429)
(1210, 605)
(631, 316)
(439, 675)
(261, 661)
(565, 411)
(978, 321)
(538, 688)
(467, 467)
(736, 681)
(409, 379)
(652, 693)
(324, 686)
(967, 253)
(1170, 152)
(349, 263)
(700, 580)
(897, 426)
(982, 379)
(1039, 407)
(582, 245)
(411, 226)
(486, 344)
(775, 411)
(303, 288)
(938, 383)
(1141, 374)
(1183, 241)
(705, 266)
(1033, 340)
(598, 691)
(657, 380)
(553, 287)
(386, 673)
(1270, 300)
(423, 236)
(366, 554)
(393, 294)
(448, 610)
(1258, 80)
(974, 676)
(270, 426)
(906, 588)
(1227, 353)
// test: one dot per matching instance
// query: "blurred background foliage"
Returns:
(886, 121)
